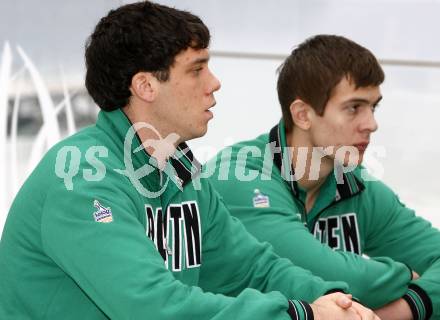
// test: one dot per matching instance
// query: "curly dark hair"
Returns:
(142, 36)
(317, 65)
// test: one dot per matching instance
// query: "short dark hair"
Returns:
(142, 36)
(317, 65)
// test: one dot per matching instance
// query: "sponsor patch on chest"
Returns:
(260, 200)
(103, 214)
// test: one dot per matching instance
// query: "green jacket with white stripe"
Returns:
(99, 232)
(355, 217)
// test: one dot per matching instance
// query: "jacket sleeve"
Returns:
(398, 233)
(279, 225)
(245, 262)
(119, 269)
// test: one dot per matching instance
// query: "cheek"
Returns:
(186, 99)
(340, 133)
(330, 134)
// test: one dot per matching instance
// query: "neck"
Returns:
(311, 166)
(157, 141)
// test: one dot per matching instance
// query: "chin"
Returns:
(203, 130)
(361, 159)
(349, 159)
(350, 163)
(198, 134)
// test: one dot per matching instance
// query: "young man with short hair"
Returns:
(301, 188)
(109, 225)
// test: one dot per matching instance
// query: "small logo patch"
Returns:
(260, 200)
(103, 215)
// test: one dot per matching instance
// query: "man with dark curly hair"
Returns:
(109, 226)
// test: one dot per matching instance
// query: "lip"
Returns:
(208, 111)
(361, 146)
(209, 114)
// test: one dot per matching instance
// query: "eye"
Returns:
(374, 108)
(353, 108)
(197, 71)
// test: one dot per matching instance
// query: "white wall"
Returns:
(402, 30)
(247, 103)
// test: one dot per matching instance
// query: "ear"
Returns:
(301, 113)
(145, 86)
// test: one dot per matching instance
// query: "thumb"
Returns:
(415, 275)
(344, 301)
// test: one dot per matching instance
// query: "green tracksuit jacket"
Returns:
(97, 232)
(356, 217)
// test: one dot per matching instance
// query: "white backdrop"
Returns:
(247, 103)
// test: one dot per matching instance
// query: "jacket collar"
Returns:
(182, 166)
(277, 138)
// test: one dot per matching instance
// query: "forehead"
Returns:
(346, 90)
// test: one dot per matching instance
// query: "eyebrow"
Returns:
(195, 62)
(200, 60)
(360, 100)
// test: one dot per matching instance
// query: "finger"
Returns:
(415, 275)
(352, 314)
(365, 313)
(344, 301)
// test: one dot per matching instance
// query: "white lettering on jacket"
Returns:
(339, 232)
(177, 233)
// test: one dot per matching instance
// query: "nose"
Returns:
(369, 122)
(214, 83)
